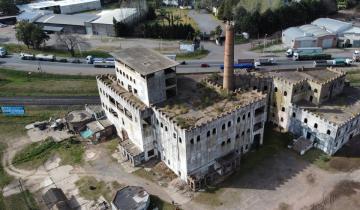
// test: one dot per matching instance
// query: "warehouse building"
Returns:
(324, 38)
(323, 32)
(65, 23)
(294, 38)
(61, 7)
(104, 24)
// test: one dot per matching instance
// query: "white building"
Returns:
(104, 24)
(62, 6)
(323, 32)
(195, 130)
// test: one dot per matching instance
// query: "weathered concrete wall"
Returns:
(132, 125)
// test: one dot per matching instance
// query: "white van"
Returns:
(3, 52)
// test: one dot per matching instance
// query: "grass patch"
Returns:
(354, 77)
(91, 189)
(23, 200)
(70, 151)
(318, 158)
(20, 83)
(5, 178)
(259, 46)
(183, 14)
(148, 175)
(274, 143)
(240, 40)
(156, 202)
(197, 54)
(12, 127)
(18, 48)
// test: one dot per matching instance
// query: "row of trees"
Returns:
(270, 21)
(179, 31)
(168, 26)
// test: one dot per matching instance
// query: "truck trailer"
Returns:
(290, 52)
(311, 56)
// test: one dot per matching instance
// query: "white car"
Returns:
(2, 25)
(3, 52)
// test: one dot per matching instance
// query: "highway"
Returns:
(191, 66)
(50, 100)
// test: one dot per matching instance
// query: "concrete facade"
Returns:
(158, 114)
(314, 104)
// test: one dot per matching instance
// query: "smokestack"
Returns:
(228, 78)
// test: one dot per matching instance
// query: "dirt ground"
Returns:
(283, 181)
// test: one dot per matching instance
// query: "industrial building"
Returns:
(65, 23)
(101, 23)
(197, 128)
(104, 24)
(323, 32)
(61, 7)
(315, 105)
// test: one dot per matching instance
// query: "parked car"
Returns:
(3, 52)
(205, 65)
(63, 60)
(183, 63)
(26, 56)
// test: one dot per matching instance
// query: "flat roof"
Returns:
(44, 4)
(339, 109)
(77, 19)
(143, 60)
(107, 16)
(291, 75)
(196, 103)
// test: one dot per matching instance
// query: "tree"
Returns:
(8, 7)
(30, 34)
(70, 41)
(177, 19)
(151, 15)
(218, 31)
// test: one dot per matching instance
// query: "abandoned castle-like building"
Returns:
(199, 127)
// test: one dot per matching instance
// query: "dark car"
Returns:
(205, 65)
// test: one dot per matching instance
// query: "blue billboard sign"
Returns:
(13, 110)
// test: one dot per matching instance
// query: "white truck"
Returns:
(308, 50)
(333, 62)
(356, 56)
(101, 62)
(3, 52)
(26, 56)
(43, 57)
(264, 62)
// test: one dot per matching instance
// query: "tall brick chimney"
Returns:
(228, 77)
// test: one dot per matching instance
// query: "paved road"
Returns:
(51, 101)
(193, 66)
(205, 21)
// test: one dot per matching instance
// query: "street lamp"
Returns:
(264, 43)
